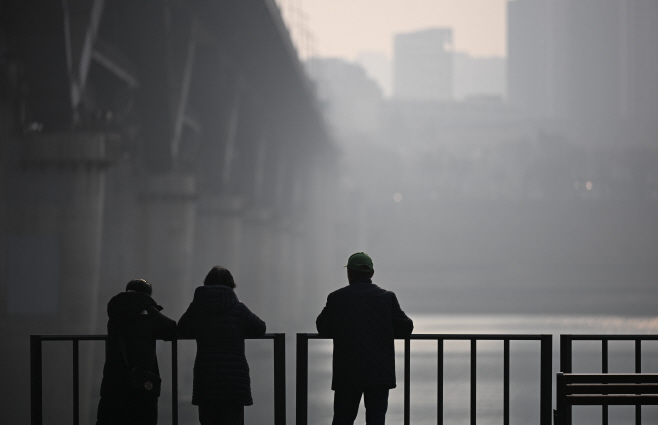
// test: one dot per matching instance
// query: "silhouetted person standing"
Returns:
(134, 324)
(220, 323)
(363, 320)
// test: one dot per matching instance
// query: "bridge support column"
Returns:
(59, 209)
(257, 264)
(168, 238)
(53, 250)
(218, 236)
(288, 263)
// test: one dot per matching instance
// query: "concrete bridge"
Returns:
(152, 139)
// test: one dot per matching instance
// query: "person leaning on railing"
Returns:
(363, 320)
(220, 323)
(134, 324)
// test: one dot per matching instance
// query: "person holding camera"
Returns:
(131, 379)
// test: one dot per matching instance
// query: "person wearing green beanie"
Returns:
(363, 320)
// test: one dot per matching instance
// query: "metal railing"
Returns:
(545, 391)
(36, 375)
(566, 360)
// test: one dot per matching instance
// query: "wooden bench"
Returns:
(603, 389)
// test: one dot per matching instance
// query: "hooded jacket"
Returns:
(363, 320)
(220, 323)
(135, 319)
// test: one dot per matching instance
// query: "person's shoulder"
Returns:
(203, 291)
(388, 291)
(340, 291)
(384, 292)
(213, 293)
(238, 306)
(360, 290)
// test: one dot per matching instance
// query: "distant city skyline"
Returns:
(347, 29)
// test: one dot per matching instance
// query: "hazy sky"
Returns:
(344, 28)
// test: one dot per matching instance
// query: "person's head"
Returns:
(219, 276)
(359, 266)
(139, 285)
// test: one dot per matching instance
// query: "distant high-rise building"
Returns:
(531, 57)
(422, 65)
(478, 76)
(589, 67)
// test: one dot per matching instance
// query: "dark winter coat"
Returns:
(363, 320)
(220, 323)
(135, 317)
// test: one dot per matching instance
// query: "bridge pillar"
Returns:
(218, 235)
(169, 205)
(257, 264)
(288, 252)
(56, 227)
(53, 246)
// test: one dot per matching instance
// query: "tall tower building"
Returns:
(532, 61)
(422, 65)
(589, 67)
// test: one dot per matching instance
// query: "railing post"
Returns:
(279, 379)
(560, 403)
(407, 381)
(174, 381)
(565, 353)
(566, 367)
(439, 385)
(473, 380)
(301, 399)
(604, 369)
(76, 382)
(36, 374)
(638, 356)
(546, 380)
(506, 372)
(638, 369)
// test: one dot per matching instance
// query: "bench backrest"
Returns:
(607, 388)
(603, 389)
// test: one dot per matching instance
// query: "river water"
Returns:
(524, 370)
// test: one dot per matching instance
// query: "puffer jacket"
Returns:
(363, 320)
(220, 323)
(134, 317)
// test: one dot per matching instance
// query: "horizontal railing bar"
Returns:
(492, 337)
(499, 337)
(104, 337)
(610, 377)
(611, 389)
(467, 337)
(606, 400)
(71, 337)
(584, 337)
